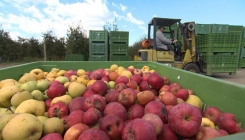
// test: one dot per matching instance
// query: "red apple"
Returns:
(88, 73)
(113, 76)
(52, 136)
(48, 103)
(155, 81)
(105, 78)
(135, 111)
(74, 117)
(144, 97)
(120, 86)
(174, 88)
(136, 78)
(56, 91)
(76, 104)
(115, 108)
(55, 83)
(157, 108)
(112, 125)
(138, 129)
(91, 116)
(167, 133)
(212, 113)
(223, 132)
(95, 76)
(106, 73)
(166, 80)
(111, 96)
(144, 86)
(75, 131)
(131, 70)
(168, 98)
(132, 84)
(179, 101)
(127, 97)
(58, 109)
(190, 91)
(145, 76)
(88, 92)
(229, 123)
(185, 119)
(155, 121)
(183, 94)
(169, 107)
(93, 134)
(64, 120)
(205, 133)
(164, 88)
(96, 101)
(122, 79)
(154, 91)
(99, 87)
(137, 72)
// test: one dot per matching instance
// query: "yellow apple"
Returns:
(126, 73)
(6, 94)
(64, 98)
(207, 122)
(84, 79)
(31, 106)
(19, 97)
(80, 72)
(26, 78)
(194, 100)
(114, 67)
(61, 72)
(53, 125)
(37, 73)
(75, 131)
(76, 89)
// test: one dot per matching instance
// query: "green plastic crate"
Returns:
(220, 62)
(203, 29)
(119, 36)
(220, 28)
(243, 42)
(119, 58)
(235, 29)
(243, 32)
(242, 53)
(98, 58)
(98, 35)
(218, 42)
(98, 48)
(118, 48)
(241, 63)
(74, 57)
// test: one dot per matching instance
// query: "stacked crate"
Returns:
(98, 45)
(220, 48)
(242, 53)
(118, 47)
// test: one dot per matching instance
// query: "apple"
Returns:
(212, 113)
(223, 132)
(73, 78)
(88, 73)
(52, 136)
(62, 79)
(131, 70)
(58, 109)
(55, 83)
(95, 76)
(157, 108)
(96, 101)
(207, 122)
(137, 72)
(179, 101)
(56, 91)
(183, 94)
(139, 129)
(64, 120)
(93, 134)
(145, 97)
(112, 125)
(205, 133)
(43, 85)
(144, 86)
(74, 117)
(126, 73)
(127, 97)
(111, 84)
(106, 73)
(167, 133)
(84, 79)
(113, 76)
(155, 121)
(190, 91)
(105, 78)
(229, 123)
(53, 125)
(169, 107)
(75, 131)
(120, 86)
(88, 93)
(99, 87)
(174, 88)
(111, 96)
(47, 103)
(136, 78)
(76, 104)
(132, 84)
(76, 89)
(91, 116)
(155, 81)
(166, 80)
(145, 76)
(185, 117)
(122, 79)
(115, 108)
(168, 98)
(135, 111)
(164, 88)
(154, 91)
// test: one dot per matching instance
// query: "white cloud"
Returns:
(34, 11)
(144, 29)
(133, 19)
(123, 8)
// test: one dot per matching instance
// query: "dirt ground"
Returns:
(238, 78)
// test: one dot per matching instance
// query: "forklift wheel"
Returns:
(192, 67)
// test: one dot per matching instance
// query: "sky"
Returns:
(32, 18)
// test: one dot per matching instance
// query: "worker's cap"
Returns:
(159, 27)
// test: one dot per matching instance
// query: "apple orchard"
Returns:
(115, 103)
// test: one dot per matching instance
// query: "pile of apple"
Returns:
(116, 103)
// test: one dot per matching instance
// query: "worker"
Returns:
(163, 44)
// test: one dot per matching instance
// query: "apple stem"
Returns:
(10, 110)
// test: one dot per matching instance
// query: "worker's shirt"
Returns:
(161, 40)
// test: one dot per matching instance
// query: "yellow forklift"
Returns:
(184, 55)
